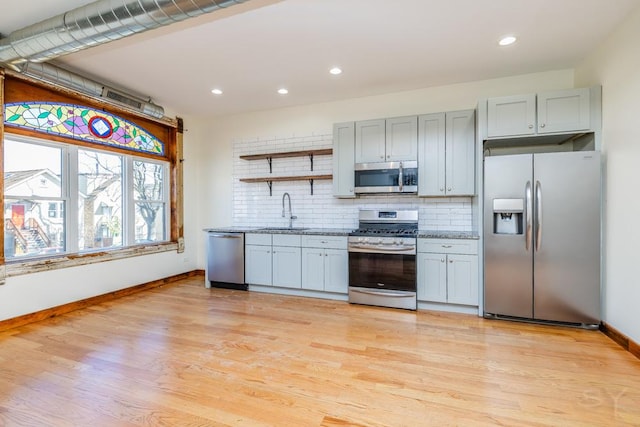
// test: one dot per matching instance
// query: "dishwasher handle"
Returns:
(226, 236)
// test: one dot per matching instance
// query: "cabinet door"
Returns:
(460, 153)
(431, 155)
(462, 279)
(257, 266)
(343, 159)
(564, 111)
(287, 267)
(370, 141)
(511, 115)
(336, 270)
(401, 142)
(313, 269)
(432, 277)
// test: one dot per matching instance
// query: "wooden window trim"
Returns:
(172, 137)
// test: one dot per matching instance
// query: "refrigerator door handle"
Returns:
(538, 216)
(529, 214)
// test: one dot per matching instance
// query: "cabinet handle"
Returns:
(530, 126)
(326, 254)
(446, 246)
(448, 189)
(542, 125)
(441, 190)
(450, 261)
(442, 260)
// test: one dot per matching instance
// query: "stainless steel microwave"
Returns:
(388, 177)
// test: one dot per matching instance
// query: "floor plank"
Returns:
(183, 355)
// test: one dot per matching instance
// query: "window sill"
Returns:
(18, 267)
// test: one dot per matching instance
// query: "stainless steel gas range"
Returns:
(382, 259)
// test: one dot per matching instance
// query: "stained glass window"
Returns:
(81, 123)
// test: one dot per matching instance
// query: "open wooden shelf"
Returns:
(270, 156)
(271, 179)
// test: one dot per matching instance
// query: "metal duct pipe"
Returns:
(51, 73)
(60, 76)
(96, 23)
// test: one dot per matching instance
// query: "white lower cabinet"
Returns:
(257, 259)
(325, 263)
(257, 265)
(272, 260)
(448, 271)
(286, 266)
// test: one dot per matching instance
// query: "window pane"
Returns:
(32, 170)
(29, 228)
(150, 222)
(99, 199)
(149, 195)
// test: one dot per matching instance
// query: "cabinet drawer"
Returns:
(257, 239)
(326, 242)
(287, 240)
(448, 246)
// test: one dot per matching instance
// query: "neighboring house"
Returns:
(35, 217)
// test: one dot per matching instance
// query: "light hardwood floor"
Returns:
(183, 355)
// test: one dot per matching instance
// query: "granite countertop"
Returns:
(443, 234)
(432, 234)
(277, 230)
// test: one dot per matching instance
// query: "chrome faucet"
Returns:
(291, 216)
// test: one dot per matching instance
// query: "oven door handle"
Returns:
(385, 293)
(380, 249)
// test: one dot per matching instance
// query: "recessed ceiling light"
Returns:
(507, 40)
(335, 71)
(216, 91)
(283, 91)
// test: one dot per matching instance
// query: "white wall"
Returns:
(29, 293)
(615, 66)
(253, 206)
(215, 156)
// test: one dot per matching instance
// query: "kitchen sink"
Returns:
(283, 229)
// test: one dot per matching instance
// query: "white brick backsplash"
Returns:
(253, 207)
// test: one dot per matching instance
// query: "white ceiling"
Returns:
(251, 50)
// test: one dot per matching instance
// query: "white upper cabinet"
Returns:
(370, 141)
(401, 139)
(460, 152)
(548, 112)
(386, 140)
(431, 155)
(564, 111)
(511, 115)
(343, 159)
(446, 152)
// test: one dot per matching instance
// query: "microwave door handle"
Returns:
(400, 177)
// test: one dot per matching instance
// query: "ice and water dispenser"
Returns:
(508, 216)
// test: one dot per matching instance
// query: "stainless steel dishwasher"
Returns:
(225, 260)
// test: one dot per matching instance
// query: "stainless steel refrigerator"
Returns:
(542, 237)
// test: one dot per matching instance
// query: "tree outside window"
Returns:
(149, 194)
